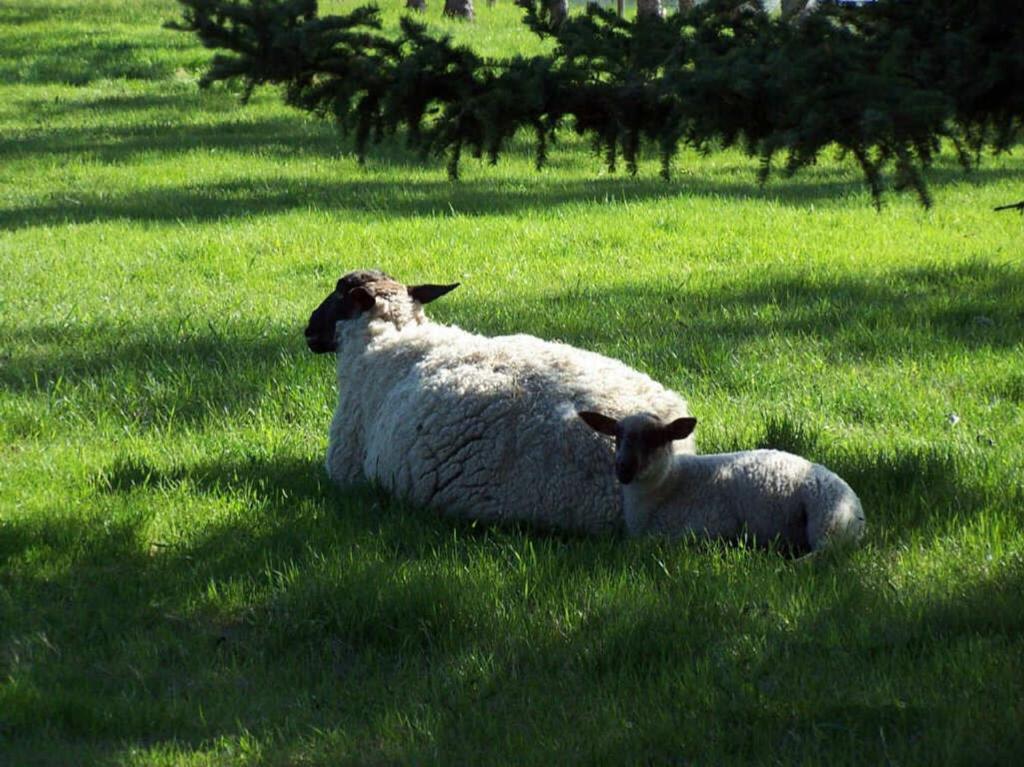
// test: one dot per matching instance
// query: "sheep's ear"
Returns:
(362, 298)
(681, 428)
(424, 294)
(599, 422)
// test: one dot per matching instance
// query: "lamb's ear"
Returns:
(681, 428)
(424, 294)
(599, 422)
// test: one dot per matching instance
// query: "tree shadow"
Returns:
(907, 491)
(279, 136)
(855, 671)
(150, 375)
(85, 62)
(284, 136)
(20, 14)
(897, 638)
(37, 11)
(342, 595)
(350, 607)
(913, 312)
(411, 199)
(179, 101)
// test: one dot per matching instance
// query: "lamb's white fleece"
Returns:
(482, 428)
(760, 494)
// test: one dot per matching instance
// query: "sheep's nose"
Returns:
(625, 471)
(318, 344)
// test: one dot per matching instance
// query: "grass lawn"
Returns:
(179, 585)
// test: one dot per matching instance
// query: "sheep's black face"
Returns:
(356, 293)
(352, 296)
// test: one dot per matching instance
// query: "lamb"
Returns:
(480, 428)
(761, 495)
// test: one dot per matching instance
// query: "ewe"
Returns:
(481, 428)
(759, 494)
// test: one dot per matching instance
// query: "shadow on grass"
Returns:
(23, 13)
(282, 137)
(309, 614)
(158, 375)
(154, 375)
(156, 643)
(81, 63)
(38, 11)
(913, 312)
(91, 139)
(906, 491)
(410, 199)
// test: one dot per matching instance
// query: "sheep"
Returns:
(760, 495)
(481, 428)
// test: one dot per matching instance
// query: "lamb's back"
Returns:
(757, 493)
(835, 511)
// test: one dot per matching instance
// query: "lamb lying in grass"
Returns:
(761, 495)
(481, 428)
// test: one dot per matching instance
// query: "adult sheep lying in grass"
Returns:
(763, 495)
(481, 428)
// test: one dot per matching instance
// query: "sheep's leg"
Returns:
(343, 467)
(344, 451)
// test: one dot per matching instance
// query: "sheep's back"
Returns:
(487, 429)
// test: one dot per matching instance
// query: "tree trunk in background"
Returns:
(620, 7)
(416, 5)
(796, 7)
(685, 5)
(558, 12)
(649, 8)
(459, 9)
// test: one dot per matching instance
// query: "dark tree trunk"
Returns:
(620, 7)
(685, 5)
(459, 9)
(558, 12)
(797, 7)
(416, 5)
(650, 8)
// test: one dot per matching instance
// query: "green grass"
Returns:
(180, 586)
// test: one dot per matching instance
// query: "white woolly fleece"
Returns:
(758, 494)
(482, 428)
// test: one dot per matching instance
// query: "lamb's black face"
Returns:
(635, 446)
(352, 296)
(638, 439)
